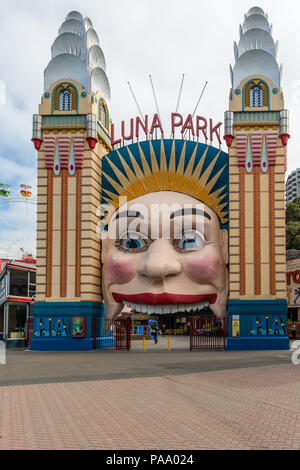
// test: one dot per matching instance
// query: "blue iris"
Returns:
(189, 244)
(132, 244)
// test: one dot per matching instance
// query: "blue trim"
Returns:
(61, 344)
(53, 93)
(69, 309)
(269, 94)
(258, 307)
(258, 344)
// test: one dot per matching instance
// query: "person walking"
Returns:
(154, 331)
(293, 331)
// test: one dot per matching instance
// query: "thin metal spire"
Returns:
(139, 109)
(180, 91)
(154, 97)
(179, 96)
(197, 103)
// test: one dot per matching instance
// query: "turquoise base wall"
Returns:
(52, 329)
(263, 325)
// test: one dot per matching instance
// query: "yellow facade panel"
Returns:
(71, 275)
(249, 244)
(249, 183)
(56, 249)
(234, 277)
(265, 245)
(249, 212)
(55, 281)
(233, 179)
(72, 181)
(234, 223)
(249, 269)
(279, 232)
(265, 279)
(57, 185)
(234, 286)
(234, 197)
(71, 257)
(264, 210)
(264, 183)
(71, 212)
(56, 212)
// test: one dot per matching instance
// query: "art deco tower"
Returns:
(256, 132)
(71, 133)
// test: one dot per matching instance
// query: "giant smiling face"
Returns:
(183, 272)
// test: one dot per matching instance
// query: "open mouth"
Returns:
(165, 303)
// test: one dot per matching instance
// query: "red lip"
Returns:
(164, 299)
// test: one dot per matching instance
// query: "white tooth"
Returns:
(166, 308)
(158, 309)
(143, 308)
(151, 309)
(174, 308)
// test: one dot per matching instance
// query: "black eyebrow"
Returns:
(190, 211)
(135, 214)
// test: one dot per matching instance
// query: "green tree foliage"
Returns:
(293, 225)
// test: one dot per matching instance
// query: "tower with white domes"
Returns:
(71, 133)
(257, 132)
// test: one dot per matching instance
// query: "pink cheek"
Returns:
(120, 271)
(203, 269)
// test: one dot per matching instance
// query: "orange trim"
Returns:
(272, 230)
(257, 235)
(64, 241)
(49, 242)
(242, 232)
(78, 234)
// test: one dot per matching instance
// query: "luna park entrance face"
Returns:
(203, 331)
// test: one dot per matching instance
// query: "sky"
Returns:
(164, 38)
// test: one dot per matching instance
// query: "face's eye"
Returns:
(190, 241)
(132, 241)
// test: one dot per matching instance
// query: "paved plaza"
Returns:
(154, 400)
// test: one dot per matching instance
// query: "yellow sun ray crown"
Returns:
(127, 172)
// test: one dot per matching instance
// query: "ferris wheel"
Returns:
(18, 206)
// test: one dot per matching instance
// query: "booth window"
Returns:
(256, 94)
(256, 97)
(65, 98)
(103, 115)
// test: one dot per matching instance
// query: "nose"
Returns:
(160, 261)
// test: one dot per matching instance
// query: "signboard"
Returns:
(78, 327)
(195, 126)
(293, 283)
(236, 328)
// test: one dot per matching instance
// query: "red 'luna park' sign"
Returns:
(196, 127)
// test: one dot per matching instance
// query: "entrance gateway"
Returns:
(205, 331)
(235, 263)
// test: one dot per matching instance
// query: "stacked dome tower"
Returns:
(257, 133)
(76, 53)
(71, 133)
(256, 49)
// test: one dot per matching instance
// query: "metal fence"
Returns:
(108, 334)
(208, 332)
